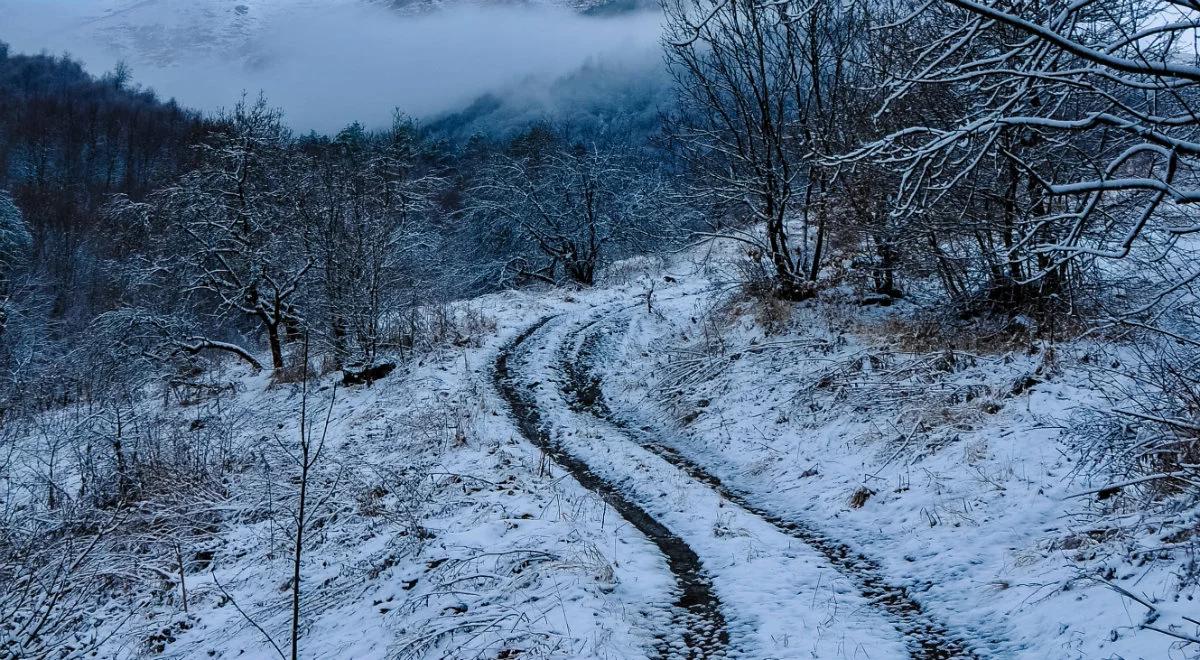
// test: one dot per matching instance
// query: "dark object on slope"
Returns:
(859, 499)
(880, 299)
(1025, 384)
(368, 375)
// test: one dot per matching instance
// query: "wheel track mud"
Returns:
(697, 611)
(926, 638)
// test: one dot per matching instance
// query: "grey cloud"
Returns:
(328, 63)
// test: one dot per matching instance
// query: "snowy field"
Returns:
(816, 485)
(407, 329)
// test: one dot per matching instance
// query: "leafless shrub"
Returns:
(756, 293)
(630, 271)
(428, 328)
(295, 369)
(1145, 447)
(54, 577)
(755, 280)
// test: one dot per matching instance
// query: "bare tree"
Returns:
(366, 197)
(233, 223)
(1063, 152)
(760, 86)
(1072, 141)
(162, 337)
(308, 455)
(15, 243)
(568, 204)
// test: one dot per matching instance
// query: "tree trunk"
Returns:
(885, 274)
(818, 247)
(299, 549)
(276, 346)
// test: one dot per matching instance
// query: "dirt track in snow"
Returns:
(697, 612)
(697, 615)
(926, 638)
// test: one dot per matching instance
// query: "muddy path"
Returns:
(696, 614)
(926, 638)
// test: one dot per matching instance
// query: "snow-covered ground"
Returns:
(829, 484)
(441, 533)
(949, 466)
(435, 529)
(778, 596)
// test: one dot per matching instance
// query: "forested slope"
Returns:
(878, 339)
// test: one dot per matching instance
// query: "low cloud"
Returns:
(327, 65)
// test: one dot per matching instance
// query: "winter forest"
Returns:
(390, 329)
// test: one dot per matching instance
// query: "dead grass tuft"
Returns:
(859, 499)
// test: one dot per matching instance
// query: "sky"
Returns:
(325, 63)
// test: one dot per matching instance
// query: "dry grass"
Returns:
(433, 327)
(631, 271)
(294, 371)
(859, 499)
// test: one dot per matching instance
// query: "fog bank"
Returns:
(326, 63)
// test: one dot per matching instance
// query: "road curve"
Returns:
(696, 614)
(926, 638)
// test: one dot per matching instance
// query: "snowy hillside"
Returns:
(642, 469)
(163, 32)
(408, 329)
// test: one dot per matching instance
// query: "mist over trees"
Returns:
(614, 98)
(189, 235)
(1031, 167)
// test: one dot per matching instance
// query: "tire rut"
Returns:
(926, 638)
(697, 611)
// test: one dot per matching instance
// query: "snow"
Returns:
(973, 513)
(440, 530)
(760, 573)
(444, 536)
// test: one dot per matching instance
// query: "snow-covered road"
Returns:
(749, 583)
(696, 615)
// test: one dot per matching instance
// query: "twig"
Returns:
(245, 616)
